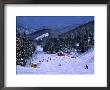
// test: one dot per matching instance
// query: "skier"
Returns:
(86, 67)
(59, 64)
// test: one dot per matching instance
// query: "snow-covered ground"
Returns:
(54, 64)
(42, 36)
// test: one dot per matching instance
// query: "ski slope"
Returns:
(42, 36)
(54, 64)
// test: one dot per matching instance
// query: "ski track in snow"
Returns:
(60, 64)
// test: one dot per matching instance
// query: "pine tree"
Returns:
(52, 45)
(24, 49)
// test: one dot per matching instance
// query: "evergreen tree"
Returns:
(52, 45)
(24, 49)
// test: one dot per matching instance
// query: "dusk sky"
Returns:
(52, 21)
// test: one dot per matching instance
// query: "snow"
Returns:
(54, 64)
(42, 36)
(39, 48)
(77, 44)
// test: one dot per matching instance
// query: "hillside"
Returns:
(87, 28)
(53, 64)
(42, 35)
(81, 38)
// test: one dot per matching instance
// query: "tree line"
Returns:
(81, 39)
(24, 49)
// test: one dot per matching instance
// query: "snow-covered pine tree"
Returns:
(24, 49)
(52, 45)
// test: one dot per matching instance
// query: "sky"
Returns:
(52, 21)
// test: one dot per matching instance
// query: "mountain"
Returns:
(66, 37)
(79, 31)
(80, 38)
(21, 29)
(40, 36)
(67, 28)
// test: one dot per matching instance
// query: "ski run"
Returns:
(72, 63)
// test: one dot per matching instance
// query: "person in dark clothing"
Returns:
(86, 67)
(59, 64)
